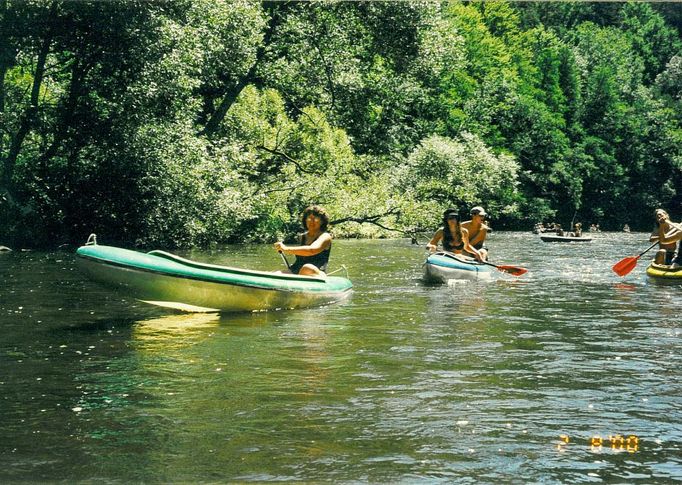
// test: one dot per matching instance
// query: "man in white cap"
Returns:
(478, 231)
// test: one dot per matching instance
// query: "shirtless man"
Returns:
(666, 252)
(673, 236)
(478, 231)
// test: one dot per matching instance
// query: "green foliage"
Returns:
(196, 123)
(188, 195)
(462, 173)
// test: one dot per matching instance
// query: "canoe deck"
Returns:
(664, 273)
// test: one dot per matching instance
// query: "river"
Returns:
(513, 380)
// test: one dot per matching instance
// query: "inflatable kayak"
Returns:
(556, 238)
(441, 267)
(664, 273)
(168, 280)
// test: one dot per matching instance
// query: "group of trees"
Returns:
(197, 122)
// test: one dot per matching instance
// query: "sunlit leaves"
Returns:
(462, 172)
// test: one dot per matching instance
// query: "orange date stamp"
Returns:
(615, 442)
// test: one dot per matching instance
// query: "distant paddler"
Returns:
(666, 252)
(671, 237)
(312, 256)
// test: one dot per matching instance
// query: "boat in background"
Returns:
(555, 238)
(441, 267)
(168, 280)
(664, 273)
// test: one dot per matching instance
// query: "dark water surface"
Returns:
(467, 382)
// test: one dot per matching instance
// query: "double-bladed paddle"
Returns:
(512, 270)
(625, 265)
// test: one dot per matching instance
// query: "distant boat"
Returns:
(556, 238)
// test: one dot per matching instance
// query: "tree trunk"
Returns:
(29, 116)
(231, 95)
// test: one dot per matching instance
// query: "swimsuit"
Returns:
(319, 260)
(451, 246)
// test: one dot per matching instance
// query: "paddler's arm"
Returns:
(319, 245)
(674, 235)
(468, 247)
(432, 246)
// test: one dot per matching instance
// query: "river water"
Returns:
(404, 382)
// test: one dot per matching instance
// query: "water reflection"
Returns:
(173, 331)
(403, 382)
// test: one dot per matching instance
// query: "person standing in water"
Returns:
(312, 256)
(477, 231)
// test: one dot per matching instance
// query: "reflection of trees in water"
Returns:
(239, 383)
(173, 331)
(288, 350)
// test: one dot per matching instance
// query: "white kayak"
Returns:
(441, 267)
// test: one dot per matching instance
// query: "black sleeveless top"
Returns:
(320, 260)
(450, 245)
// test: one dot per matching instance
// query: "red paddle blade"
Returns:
(624, 266)
(512, 270)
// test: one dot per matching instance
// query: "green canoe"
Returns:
(168, 280)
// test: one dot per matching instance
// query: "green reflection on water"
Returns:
(404, 382)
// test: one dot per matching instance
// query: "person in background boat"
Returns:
(312, 255)
(577, 230)
(626, 228)
(478, 231)
(668, 235)
(559, 231)
(452, 235)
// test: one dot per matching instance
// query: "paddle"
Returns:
(625, 265)
(512, 270)
(284, 258)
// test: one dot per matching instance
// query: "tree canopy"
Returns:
(192, 123)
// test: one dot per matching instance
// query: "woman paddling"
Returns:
(453, 236)
(312, 255)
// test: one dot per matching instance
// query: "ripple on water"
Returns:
(403, 382)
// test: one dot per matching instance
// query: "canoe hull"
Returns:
(440, 268)
(169, 284)
(664, 274)
(565, 239)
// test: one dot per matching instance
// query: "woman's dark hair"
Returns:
(447, 236)
(319, 212)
